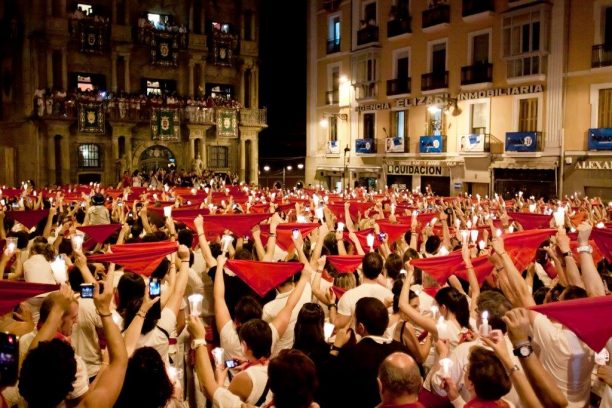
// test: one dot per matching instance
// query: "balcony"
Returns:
(333, 46)
(522, 142)
(253, 117)
(398, 86)
(368, 34)
(434, 80)
(477, 73)
(399, 26)
(475, 143)
(366, 90)
(601, 56)
(600, 139)
(249, 48)
(473, 7)
(365, 146)
(332, 97)
(432, 144)
(436, 15)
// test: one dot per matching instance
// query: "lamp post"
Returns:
(344, 186)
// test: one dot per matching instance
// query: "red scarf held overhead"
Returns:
(362, 236)
(99, 233)
(239, 224)
(262, 277)
(345, 263)
(588, 318)
(338, 291)
(439, 267)
(141, 258)
(284, 233)
(603, 239)
(394, 231)
(531, 221)
(522, 245)
(482, 269)
(14, 292)
(28, 218)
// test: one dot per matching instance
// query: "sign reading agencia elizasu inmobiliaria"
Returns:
(444, 98)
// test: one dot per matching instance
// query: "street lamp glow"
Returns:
(343, 79)
(266, 168)
(433, 109)
(289, 168)
(300, 166)
(323, 123)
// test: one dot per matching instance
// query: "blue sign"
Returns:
(430, 144)
(365, 146)
(521, 141)
(600, 139)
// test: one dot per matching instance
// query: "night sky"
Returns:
(282, 82)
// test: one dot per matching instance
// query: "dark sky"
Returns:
(282, 81)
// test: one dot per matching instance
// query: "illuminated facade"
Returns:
(462, 95)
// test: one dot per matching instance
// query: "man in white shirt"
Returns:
(372, 266)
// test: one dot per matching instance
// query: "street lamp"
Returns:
(300, 166)
(288, 168)
(266, 169)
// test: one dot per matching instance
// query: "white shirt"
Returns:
(157, 338)
(230, 342)
(274, 307)
(568, 360)
(348, 301)
(38, 270)
(84, 338)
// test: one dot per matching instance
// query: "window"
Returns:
(89, 156)
(84, 83)
(528, 115)
(480, 49)
(608, 28)
(523, 44)
(223, 27)
(369, 120)
(365, 74)
(334, 29)
(435, 121)
(369, 13)
(87, 9)
(333, 128)
(218, 156)
(478, 118)
(437, 57)
(402, 63)
(604, 112)
(248, 25)
(153, 88)
(399, 121)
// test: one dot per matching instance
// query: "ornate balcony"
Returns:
(398, 86)
(253, 117)
(332, 97)
(333, 46)
(477, 73)
(471, 7)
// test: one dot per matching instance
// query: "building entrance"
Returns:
(156, 157)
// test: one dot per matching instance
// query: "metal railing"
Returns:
(253, 117)
(439, 14)
(434, 80)
(333, 46)
(601, 55)
(332, 97)
(471, 7)
(398, 86)
(401, 25)
(367, 35)
(477, 73)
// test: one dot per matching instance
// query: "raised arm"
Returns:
(592, 281)
(203, 366)
(471, 275)
(174, 302)
(222, 313)
(571, 269)
(259, 249)
(62, 301)
(425, 322)
(132, 333)
(206, 252)
(515, 280)
(281, 321)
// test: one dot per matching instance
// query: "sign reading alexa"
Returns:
(594, 165)
(417, 168)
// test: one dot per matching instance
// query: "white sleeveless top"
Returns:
(259, 377)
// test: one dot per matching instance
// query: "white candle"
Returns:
(168, 211)
(469, 224)
(315, 199)
(464, 235)
(474, 235)
(433, 221)
(166, 187)
(511, 229)
(600, 224)
(484, 327)
(328, 330)
(499, 232)
(319, 213)
(217, 353)
(482, 244)
(559, 217)
(11, 244)
(195, 304)
(77, 242)
(227, 240)
(446, 364)
(443, 251)
(370, 241)
(532, 208)
(295, 234)
(340, 226)
(194, 191)
(58, 267)
(301, 219)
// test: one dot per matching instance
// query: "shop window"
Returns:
(435, 121)
(89, 156)
(528, 115)
(604, 111)
(218, 156)
(369, 122)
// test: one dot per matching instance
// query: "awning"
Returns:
(534, 164)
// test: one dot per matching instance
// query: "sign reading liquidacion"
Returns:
(417, 168)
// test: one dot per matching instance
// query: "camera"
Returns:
(231, 363)
(9, 359)
(87, 290)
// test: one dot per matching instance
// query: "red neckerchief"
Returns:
(259, 361)
(478, 403)
(466, 335)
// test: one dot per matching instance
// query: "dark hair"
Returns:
(393, 265)
(22, 239)
(293, 379)
(308, 332)
(161, 270)
(185, 237)
(146, 382)
(397, 290)
(75, 277)
(555, 292)
(372, 265)
(432, 244)
(399, 381)
(455, 302)
(47, 374)
(372, 313)
(487, 373)
(131, 290)
(243, 254)
(257, 335)
(573, 292)
(246, 309)
(540, 294)
(494, 302)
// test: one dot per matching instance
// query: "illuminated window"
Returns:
(87, 9)
(84, 83)
(89, 156)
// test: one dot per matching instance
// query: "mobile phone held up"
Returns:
(9, 359)
(155, 291)
(87, 290)
(231, 363)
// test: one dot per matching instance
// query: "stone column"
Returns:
(254, 88)
(203, 150)
(241, 92)
(242, 159)
(49, 68)
(202, 20)
(191, 92)
(114, 72)
(127, 73)
(115, 147)
(130, 164)
(202, 79)
(191, 149)
(64, 69)
(255, 159)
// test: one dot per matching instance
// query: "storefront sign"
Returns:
(600, 139)
(417, 168)
(394, 145)
(404, 103)
(489, 93)
(594, 165)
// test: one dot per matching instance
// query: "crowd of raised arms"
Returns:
(228, 295)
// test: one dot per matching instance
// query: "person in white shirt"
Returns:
(37, 268)
(372, 266)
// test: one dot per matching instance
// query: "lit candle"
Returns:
(443, 251)
(11, 244)
(77, 242)
(295, 234)
(433, 221)
(319, 213)
(315, 199)
(328, 330)
(474, 235)
(600, 224)
(168, 211)
(532, 208)
(227, 240)
(559, 217)
(464, 235)
(370, 241)
(457, 223)
(511, 229)
(340, 227)
(475, 220)
(325, 199)
(217, 353)
(155, 196)
(194, 191)
(602, 357)
(195, 304)
(469, 224)
(484, 327)
(58, 267)
(446, 364)
(301, 219)
(482, 244)
(499, 232)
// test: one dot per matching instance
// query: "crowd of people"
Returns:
(124, 106)
(227, 295)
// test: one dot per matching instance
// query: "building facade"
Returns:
(476, 96)
(91, 89)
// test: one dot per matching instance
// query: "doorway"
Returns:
(156, 157)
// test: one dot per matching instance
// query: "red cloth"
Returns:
(28, 218)
(186, 216)
(284, 233)
(531, 221)
(345, 263)
(394, 231)
(355, 207)
(12, 293)
(99, 233)
(603, 239)
(338, 291)
(362, 236)
(482, 268)
(522, 245)
(239, 224)
(439, 267)
(141, 258)
(262, 277)
(588, 318)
